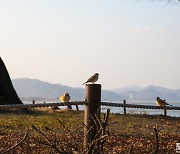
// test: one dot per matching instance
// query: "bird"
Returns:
(92, 79)
(65, 98)
(161, 102)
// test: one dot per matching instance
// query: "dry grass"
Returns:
(124, 130)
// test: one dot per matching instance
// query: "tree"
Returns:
(8, 94)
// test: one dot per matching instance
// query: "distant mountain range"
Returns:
(28, 89)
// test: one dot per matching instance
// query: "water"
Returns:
(173, 113)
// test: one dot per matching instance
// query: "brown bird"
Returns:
(161, 102)
(92, 79)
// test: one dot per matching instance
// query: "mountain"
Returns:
(29, 88)
(130, 88)
(150, 93)
(36, 89)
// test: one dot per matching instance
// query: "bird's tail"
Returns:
(168, 104)
(84, 83)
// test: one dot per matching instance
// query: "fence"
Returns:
(124, 105)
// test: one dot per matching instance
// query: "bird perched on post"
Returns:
(65, 98)
(161, 102)
(92, 79)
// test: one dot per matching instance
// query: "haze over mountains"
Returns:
(28, 89)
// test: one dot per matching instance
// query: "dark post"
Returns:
(77, 108)
(124, 102)
(93, 97)
(165, 112)
(33, 101)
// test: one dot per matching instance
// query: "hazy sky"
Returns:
(128, 42)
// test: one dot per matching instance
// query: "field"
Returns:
(47, 131)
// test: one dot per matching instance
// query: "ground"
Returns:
(66, 129)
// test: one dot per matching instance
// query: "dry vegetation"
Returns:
(40, 132)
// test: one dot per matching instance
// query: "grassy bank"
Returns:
(124, 130)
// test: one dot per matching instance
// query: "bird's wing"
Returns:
(160, 102)
(89, 80)
(67, 98)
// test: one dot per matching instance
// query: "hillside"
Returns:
(33, 88)
(150, 93)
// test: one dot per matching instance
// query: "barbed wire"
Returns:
(110, 104)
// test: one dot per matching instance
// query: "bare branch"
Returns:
(50, 143)
(131, 149)
(64, 126)
(95, 141)
(13, 147)
(156, 149)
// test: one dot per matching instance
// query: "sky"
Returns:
(128, 42)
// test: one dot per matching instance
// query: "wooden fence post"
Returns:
(33, 101)
(165, 112)
(93, 97)
(124, 102)
(77, 108)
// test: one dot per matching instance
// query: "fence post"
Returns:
(93, 97)
(165, 111)
(77, 108)
(33, 101)
(124, 102)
